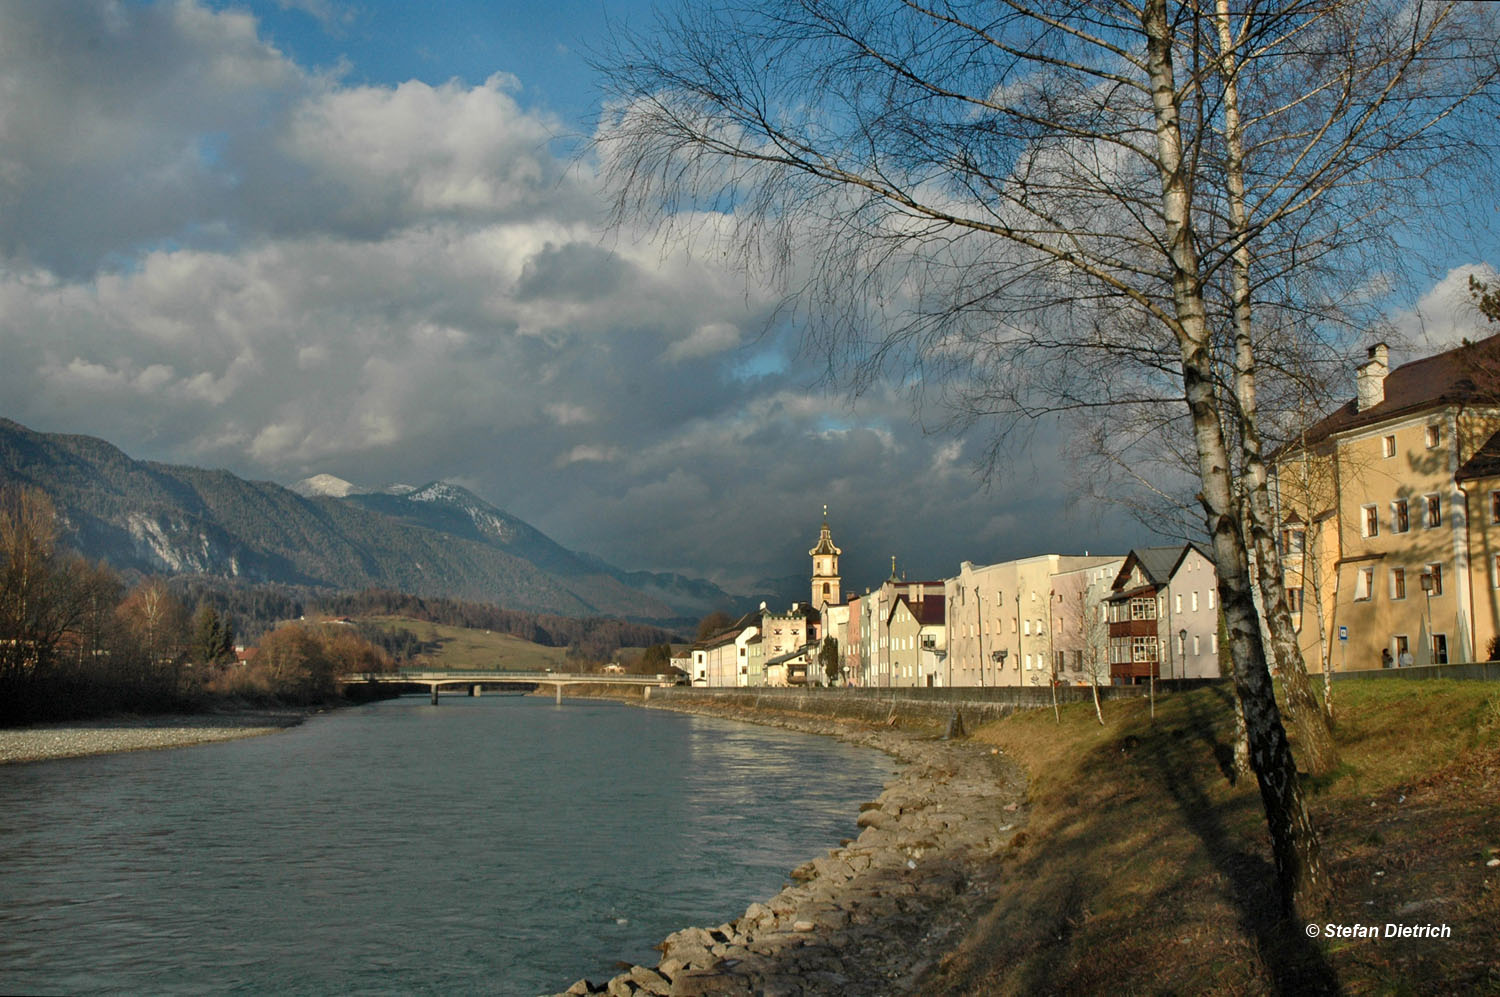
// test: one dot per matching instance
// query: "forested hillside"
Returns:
(440, 540)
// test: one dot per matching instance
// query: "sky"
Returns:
(295, 237)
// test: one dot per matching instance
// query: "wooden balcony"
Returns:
(1133, 628)
(1135, 670)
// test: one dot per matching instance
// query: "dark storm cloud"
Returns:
(212, 255)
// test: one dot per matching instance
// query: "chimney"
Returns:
(1369, 378)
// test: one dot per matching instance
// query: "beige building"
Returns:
(918, 638)
(874, 624)
(1000, 618)
(1080, 622)
(1390, 515)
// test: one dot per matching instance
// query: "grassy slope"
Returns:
(1143, 870)
(463, 649)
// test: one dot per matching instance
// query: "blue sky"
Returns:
(293, 237)
(388, 42)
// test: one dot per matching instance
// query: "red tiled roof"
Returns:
(927, 612)
(1470, 373)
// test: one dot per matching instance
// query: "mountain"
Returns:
(323, 484)
(439, 539)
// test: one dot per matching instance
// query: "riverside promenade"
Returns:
(876, 914)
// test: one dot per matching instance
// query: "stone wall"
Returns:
(882, 706)
(1484, 670)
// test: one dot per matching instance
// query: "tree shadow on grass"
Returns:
(1295, 962)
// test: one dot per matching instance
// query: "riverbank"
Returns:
(876, 914)
(75, 739)
(1139, 840)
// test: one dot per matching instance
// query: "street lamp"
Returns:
(1182, 647)
(1428, 584)
(999, 658)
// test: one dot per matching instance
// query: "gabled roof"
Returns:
(927, 612)
(1158, 564)
(731, 634)
(1470, 373)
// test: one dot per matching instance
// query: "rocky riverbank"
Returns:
(878, 913)
(101, 737)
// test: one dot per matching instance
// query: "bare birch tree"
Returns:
(1016, 205)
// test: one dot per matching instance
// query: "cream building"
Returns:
(1080, 622)
(1390, 515)
(1000, 618)
(918, 637)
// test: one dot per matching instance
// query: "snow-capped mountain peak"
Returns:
(325, 485)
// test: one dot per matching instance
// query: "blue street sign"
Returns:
(1343, 633)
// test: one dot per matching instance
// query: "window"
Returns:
(1143, 649)
(1495, 507)
(1195, 600)
(1143, 608)
(1434, 436)
(1439, 649)
(1436, 571)
(1028, 628)
(1371, 521)
(1434, 511)
(1210, 598)
(1403, 649)
(1294, 600)
(1388, 446)
(1213, 642)
(1197, 645)
(1398, 583)
(1293, 541)
(1400, 516)
(1495, 572)
(1364, 584)
(1179, 603)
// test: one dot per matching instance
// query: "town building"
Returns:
(1164, 615)
(825, 574)
(1080, 622)
(1389, 515)
(999, 618)
(918, 638)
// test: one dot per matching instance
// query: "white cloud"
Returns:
(225, 259)
(589, 453)
(1445, 315)
(704, 341)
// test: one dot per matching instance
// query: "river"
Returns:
(499, 844)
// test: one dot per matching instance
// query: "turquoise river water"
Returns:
(498, 845)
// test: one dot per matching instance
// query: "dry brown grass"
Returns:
(1146, 871)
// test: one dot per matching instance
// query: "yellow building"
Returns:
(1390, 515)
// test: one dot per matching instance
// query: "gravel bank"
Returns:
(99, 737)
(875, 915)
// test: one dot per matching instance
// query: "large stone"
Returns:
(650, 980)
(709, 983)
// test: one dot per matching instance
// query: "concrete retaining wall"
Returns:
(921, 705)
(1483, 671)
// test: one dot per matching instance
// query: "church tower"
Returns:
(825, 569)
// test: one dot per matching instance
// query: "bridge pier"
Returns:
(558, 687)
(475, 691)
(434, 694)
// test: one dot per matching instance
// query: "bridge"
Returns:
(475, 681)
